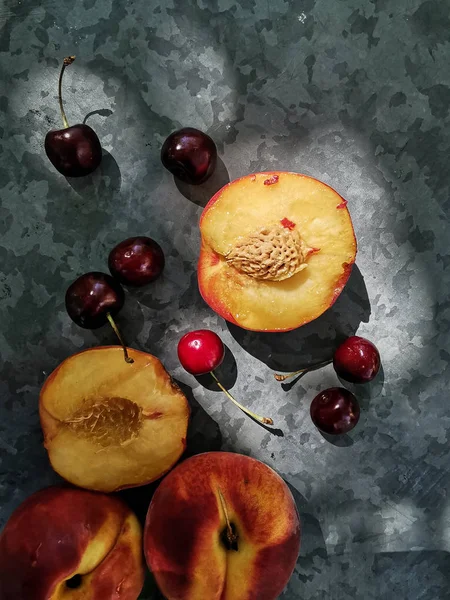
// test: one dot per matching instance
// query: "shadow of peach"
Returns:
(315, 342)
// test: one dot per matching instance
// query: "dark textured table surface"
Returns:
(353, 92)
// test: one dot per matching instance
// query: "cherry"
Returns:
(190, 155)
(93, 300)
(74, 151)
(201, 352)
(136, 261)
(357, 360)
(335, 411)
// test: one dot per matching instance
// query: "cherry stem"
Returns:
(264, 420)
(66, 62)
(122, 343)
(285, 376)
(230, 534)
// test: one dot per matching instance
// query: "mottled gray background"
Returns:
(353, 92)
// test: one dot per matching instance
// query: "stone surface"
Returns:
(355, 93)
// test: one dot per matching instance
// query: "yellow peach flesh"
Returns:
(109, 424)
(238, 210)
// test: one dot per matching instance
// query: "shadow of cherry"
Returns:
(226, 373)
(201, 194)
(103, 112)
(315, 342)
(276, 431)
(340, 441)
(100, 185)
(204, 433)
(371, 402)
(366, 391)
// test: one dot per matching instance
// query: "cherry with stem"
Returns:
(284, 376)
(202, 351)
(75, 150)
(356, 360)
(93, 300)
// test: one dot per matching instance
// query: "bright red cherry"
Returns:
(201, 352)
(74, 151)
(335, 411)
(136, 261)
(190, 155)
(357, 360)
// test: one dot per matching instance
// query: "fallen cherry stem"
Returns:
(122, 343)
(66, 62)
(283, 377)
(264, 420)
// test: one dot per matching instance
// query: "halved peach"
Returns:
(277, 249)
(108, 424)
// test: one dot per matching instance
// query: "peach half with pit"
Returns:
(110, 425)
(276, 250)
(71, 544)
(222, 526)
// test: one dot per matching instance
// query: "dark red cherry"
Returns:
(357, 360)
(74, 151)
(335, 411)
(136, 261)
(91, 297)
(190, 155)
(93, 300)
